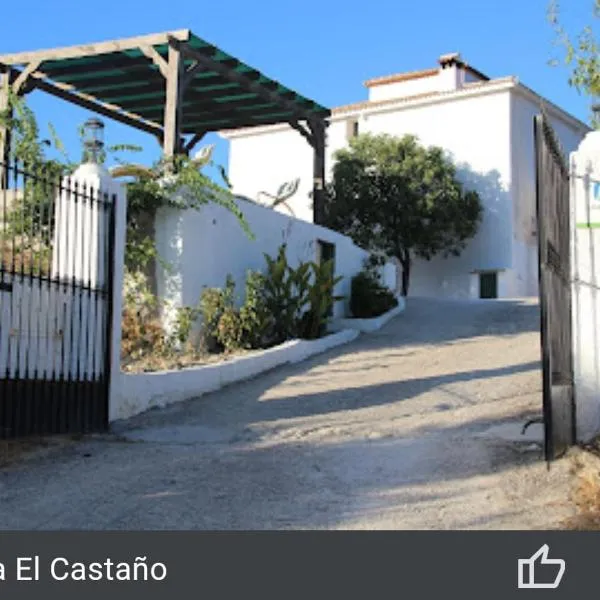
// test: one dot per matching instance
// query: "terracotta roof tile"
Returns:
(372, 104)
(401, 77)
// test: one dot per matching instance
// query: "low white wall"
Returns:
(373, 324)
(203, 246)
(137, 393)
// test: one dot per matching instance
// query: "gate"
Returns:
(56, 273)
(554, 231)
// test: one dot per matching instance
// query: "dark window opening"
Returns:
(351, 128)
(488, 285)
(325, 253)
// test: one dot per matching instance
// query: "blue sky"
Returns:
(323, 49)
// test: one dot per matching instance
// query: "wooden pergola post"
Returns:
(4, 130)
(318, 129)
(172, 120)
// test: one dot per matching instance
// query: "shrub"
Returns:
(256, 320)
(214, 302)
(142, 332)
(227, 328)
(368, 297)
(230, 333)
(281, 304)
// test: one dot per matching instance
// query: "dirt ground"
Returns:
(417, 426)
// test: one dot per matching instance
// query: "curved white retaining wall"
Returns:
(373, 324)
(137, 393)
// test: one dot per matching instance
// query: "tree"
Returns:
(393, 196)
(582, 54)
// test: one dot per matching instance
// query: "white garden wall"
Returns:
(136, 393)
(202, 247)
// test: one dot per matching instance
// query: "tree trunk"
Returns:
(405, 261)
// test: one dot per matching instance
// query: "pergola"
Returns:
(173, 85)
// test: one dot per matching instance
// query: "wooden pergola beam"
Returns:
(172, 119)
(99, 70)
(5, 82)
(156, 58)
(94, 105)
(240, 79)
(23, 77)
(189, 146)
(304, 132)
(87, 50)
(318, 129)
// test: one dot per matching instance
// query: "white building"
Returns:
(485, 124)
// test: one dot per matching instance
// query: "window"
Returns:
(351, 128)
(488, 285)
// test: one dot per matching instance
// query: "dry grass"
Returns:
(16, 451)
(183, 360)
(586, 492)
(27, 256)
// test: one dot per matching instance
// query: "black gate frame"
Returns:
(54, 402)
(555, 292)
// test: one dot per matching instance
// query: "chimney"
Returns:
(451, 74)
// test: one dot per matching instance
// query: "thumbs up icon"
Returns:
(541, 572)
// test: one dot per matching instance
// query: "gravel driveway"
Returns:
(401, 429)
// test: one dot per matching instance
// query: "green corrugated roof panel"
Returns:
(105, 75)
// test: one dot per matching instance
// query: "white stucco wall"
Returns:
(202, 247)
(410, 87)
(585, 207)
(525, 250)
(261, 163)
(489, 134)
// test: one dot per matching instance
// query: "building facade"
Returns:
(486, 127)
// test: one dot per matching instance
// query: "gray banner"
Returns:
(297, 564)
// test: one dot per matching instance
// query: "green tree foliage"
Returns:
(369, 298)
(394, 196)
(581, 53)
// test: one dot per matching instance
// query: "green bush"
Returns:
(214, 303)
(279, 305)
(256, 320)
(368, 297)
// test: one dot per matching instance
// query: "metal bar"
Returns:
(108, 366)
(4, 283)
(84, 316)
